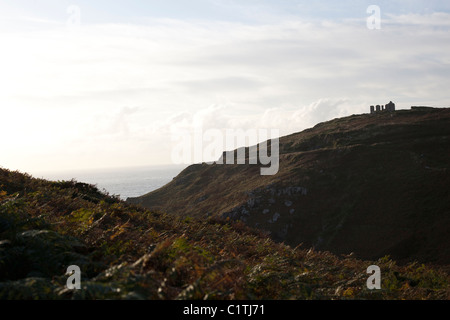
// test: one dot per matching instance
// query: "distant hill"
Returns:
(371, 184)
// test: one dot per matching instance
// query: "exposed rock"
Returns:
(283, 232)
(275, 217)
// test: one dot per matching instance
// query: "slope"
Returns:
(371, 184)
(127, 252)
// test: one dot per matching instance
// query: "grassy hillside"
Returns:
(127, 252)
(371, 184)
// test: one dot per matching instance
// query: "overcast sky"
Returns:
(92, 84)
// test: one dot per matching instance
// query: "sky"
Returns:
(104, 84)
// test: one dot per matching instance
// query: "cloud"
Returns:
(435, 19)
(113, 92)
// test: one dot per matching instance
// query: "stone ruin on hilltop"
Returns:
(389, 107)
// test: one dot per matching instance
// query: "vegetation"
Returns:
(128, 252)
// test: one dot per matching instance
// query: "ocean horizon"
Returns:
(122, 182)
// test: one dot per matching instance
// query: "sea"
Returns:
(122, 182)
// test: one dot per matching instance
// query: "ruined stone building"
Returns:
(389, 107)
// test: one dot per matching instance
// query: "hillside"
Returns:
(128, 252)
(371, 184)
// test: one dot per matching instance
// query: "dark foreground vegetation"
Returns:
(128, 252)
